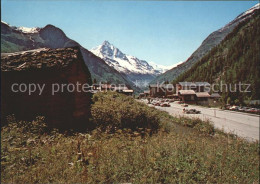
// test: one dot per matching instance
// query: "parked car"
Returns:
(184, 105)
(156, 103)
(171, 100)
(165, 104)
(226, 107)
(254, 110)
(241, 109)
(234, 107)
(191, 111)
(258, 111)
(248, 109)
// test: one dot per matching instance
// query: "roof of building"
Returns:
(187, 92)
(186, 83)
(38, 59)
(202, 94)
(120, 88)
(128, 91)
(154, 85)
(173, 95)
(194, 84)
(215, 95)
(147, 91)
(166, 86)
(202, 83)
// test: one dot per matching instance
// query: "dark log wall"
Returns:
(63, 110)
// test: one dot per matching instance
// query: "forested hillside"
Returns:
(235, 60)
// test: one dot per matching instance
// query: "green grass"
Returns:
(180, 151)
(8, 47)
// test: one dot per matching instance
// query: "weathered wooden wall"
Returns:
(63, 110)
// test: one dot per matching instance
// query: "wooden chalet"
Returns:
(163, 90)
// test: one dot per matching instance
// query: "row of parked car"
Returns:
(191, 111)
(243, 109)
(161, 102)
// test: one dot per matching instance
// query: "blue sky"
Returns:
(165, 32)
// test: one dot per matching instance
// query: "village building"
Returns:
(202, 98)
(147, 93)
(173, 96)
(128, 92)
(187, 96)
(161, 90)
(123, 89)
(214, 98)
(141, 95)
(96, 87)
(106, 87)
(195, 86)
(65, 66)
(195, 92)
(103, 87)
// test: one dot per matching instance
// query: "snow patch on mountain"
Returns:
(163, 68)
(4, 22)
(23, 29)
(126, 63)
(27, 29)
(243, 16)
(249, 11)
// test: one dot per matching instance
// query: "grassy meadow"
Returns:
(132, 143)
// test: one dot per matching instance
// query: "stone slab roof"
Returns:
(187, 92)
(215, 95)
(203, 95)
(38, 59)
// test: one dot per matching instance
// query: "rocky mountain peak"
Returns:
(106, 43)
(131, 66)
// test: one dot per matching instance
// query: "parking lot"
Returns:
(242, 124)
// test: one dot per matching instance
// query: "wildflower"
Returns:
(90, 154)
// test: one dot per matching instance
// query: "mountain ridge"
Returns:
(50, 36)
(234, 61)
(131, 66)
(210, 42)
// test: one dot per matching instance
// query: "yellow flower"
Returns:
(90, 154)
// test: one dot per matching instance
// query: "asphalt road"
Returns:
(242, 124)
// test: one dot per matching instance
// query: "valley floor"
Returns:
(241, 124)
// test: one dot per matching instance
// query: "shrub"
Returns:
(112, 111)
(37, 126)
(202, 126)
